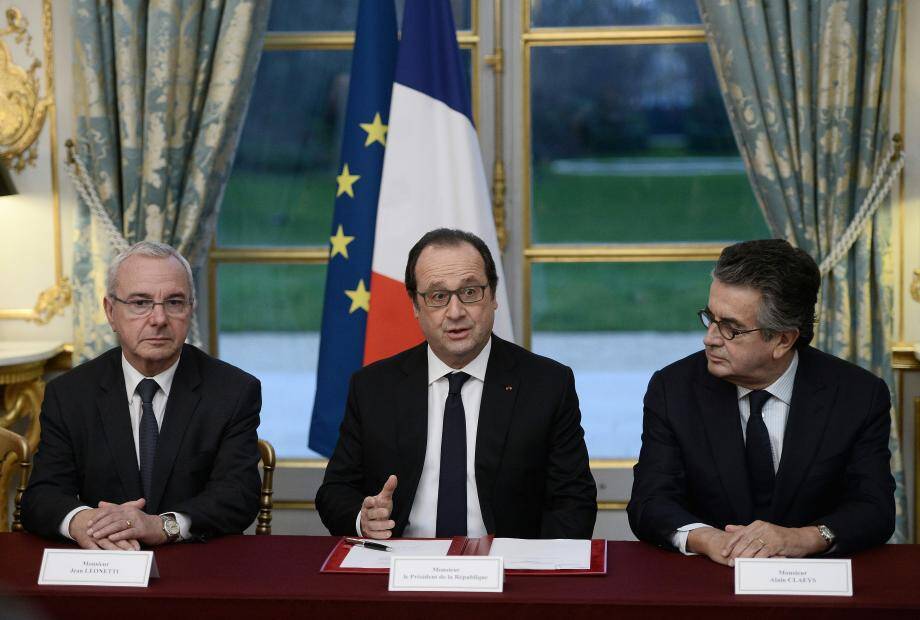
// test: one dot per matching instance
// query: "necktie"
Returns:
(759, 456)
(149, 433)
(452, 483)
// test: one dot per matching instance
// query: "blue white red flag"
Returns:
(432, 173)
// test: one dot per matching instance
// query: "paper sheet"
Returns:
(555, 554)
(360, 557)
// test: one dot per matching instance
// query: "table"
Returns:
(267, 577)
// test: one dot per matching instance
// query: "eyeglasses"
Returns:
(466, 294)
(143, 307)
(727, 331)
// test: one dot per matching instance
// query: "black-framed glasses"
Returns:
(726, 331)
(143, 307)
(466, 294)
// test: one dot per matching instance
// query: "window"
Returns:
(632, 186)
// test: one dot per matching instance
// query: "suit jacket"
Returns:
(207, 455)
(834, 469)
(531, 462)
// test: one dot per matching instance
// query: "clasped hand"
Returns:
(117, 526)
(760, 539)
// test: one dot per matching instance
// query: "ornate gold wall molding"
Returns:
(22, 115)
(22, 108)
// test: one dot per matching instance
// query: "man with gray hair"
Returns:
(153, 441)
(761, 445)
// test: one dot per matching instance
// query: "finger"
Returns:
(124, 545)
(87, 542)
(764, 552)
(379, 534)
(138, 503)
(108, 525)
(379, 525)
(377, 514)
(125, 534)
(107, 544)
(732, 541)
(368, 503)
(386, 493)
(733, 528)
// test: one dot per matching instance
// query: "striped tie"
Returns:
(149, 433)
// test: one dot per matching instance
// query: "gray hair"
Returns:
(152, 249)
(787, 279)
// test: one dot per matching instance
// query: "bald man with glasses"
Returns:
(154, 441)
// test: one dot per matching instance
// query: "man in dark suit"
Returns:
(153, 441)
(761, 445)
(465, 434)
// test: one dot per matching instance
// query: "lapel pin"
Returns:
(508, 388)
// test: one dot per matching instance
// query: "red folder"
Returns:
(461, 545)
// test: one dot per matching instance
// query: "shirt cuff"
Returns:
(65, 524)
(679, 538)
(358, 525)
(185, 524)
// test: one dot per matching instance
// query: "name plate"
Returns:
(793, 577)
(83, 567)
(447, 574)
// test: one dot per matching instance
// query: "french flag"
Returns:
(432, 174)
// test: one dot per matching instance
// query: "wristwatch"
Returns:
(171, 526)
(827, 535)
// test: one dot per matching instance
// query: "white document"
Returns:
(810, 577)
(360, 557)
(557, 554)
(464, 573)
(83, 567)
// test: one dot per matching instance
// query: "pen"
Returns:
(368, 544)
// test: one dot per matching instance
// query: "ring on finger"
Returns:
(128, 523)
(762, 543)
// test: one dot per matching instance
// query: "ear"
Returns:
(785, 341)
(109, 310)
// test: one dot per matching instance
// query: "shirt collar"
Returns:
(781, 388)
(476, 368)
(133, 376)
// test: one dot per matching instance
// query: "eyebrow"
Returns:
(725, 319)
(442, 286)
(149, 296)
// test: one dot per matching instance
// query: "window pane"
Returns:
(282, 186)
(322, 15)
(648, 156)
(615, 324)
(557, 13)
(269, 318)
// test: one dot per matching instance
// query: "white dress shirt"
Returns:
(424, 514)
(132, 378)
(775, 412)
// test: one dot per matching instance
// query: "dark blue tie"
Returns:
(761, 474)
(149, 433)
(452, 483)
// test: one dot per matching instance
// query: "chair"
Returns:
(267, 452)
(14, 444)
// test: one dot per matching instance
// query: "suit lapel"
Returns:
(411, 430)
(808, 417)
(718, 405)
(496, 409)
(180, 409)
(116, 424)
